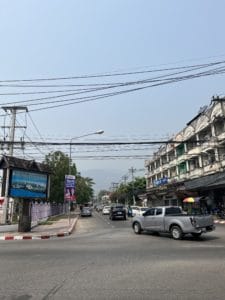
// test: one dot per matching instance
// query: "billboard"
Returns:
(69, 188)
(25, 184)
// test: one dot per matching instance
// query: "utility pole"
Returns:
(13, 110)
(114, 187)
(132, 170)
(125, 177)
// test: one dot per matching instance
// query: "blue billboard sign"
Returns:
(161, 181)
(25, 184)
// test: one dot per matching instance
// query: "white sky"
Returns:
(42, 39)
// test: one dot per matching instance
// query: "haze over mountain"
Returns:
(103, 178)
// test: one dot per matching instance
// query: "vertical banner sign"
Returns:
(69, 188)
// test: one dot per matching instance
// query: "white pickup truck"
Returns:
(171, 219)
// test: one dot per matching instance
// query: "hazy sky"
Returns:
(43, 39)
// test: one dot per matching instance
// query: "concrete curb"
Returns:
(42, 236)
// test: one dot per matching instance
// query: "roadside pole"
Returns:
(69, 192)
(13, 110)
(69, 213)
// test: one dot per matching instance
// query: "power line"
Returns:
(110, 74)
(219, 70)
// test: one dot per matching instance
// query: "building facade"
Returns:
(192, 163)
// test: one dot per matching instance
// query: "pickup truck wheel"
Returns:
(196, 234)
(176, 233)
(137, 228)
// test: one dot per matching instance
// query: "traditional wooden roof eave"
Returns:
(18, 163)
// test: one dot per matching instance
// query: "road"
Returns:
(104, 259)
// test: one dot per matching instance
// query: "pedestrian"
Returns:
(129, 211)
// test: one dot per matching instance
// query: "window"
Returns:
(167, 202)
(150, 212)
(194, 163)
(164, 159)
(182, 168)
(219, 126)
(158, 211)
(191, 143)
(208, 158)
(173, 172)
(174, 202)
(221, 152)
(173, 211)
(205, 134)
(157, 163)
(180, 150)
(171, 155)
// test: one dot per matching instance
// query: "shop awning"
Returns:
(206, 181)
(191, 199)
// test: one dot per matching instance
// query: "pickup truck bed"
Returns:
(170, 219)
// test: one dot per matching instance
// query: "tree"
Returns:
(59, 164)
(124, 193)
(102, 193)
(84, 188)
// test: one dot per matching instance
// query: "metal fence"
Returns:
(40, 211)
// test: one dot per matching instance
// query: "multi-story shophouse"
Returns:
(192, 163)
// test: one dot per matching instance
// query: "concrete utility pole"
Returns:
(13, 110)
(114, 188)
(125, 177)
(132, 170)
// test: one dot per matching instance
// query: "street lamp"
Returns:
(77, 137)
(73, 138)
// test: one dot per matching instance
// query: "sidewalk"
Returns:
(55, 228)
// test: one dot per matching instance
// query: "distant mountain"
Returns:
(103, 178)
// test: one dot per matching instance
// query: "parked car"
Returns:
(171, 219)
(117, 211)
(135, 210)
(142, 209)
(99, 207)
(86, 211)
(106, 210)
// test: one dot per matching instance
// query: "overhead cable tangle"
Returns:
(219, 70)
(112, 86)
(111, 74)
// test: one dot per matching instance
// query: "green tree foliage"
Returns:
(102, 193)
(84, 187)
(59, 164)
(124, 193)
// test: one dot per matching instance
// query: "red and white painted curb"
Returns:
(40, 237)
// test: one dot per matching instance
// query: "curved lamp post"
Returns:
(73, 138)
(77, 137)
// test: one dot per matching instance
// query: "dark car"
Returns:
(117, 211)
(86, 212)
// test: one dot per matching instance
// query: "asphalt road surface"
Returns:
(104, 259)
